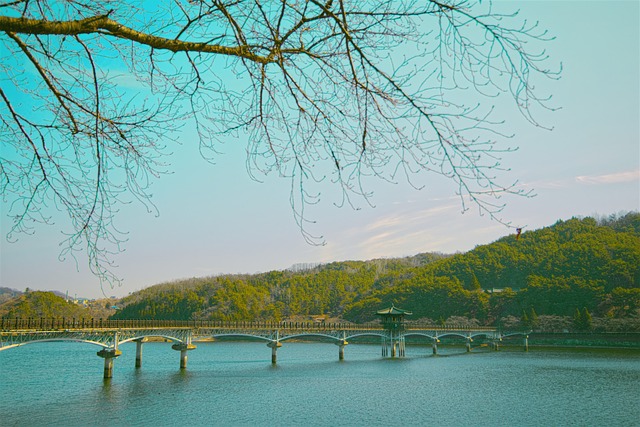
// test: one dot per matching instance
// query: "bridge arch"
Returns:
(240, 335)
(367, 334)
(37, 341)
(331, 338)
(142, 337)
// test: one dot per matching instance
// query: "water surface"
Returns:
(235, 384)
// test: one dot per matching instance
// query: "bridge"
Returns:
(110, 334)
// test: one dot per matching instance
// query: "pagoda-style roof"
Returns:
(393, 311)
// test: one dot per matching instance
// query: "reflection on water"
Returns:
(235, 384)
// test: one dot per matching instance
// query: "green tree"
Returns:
(587, 320)
(577, 319)
(533, 318)
(525, 321)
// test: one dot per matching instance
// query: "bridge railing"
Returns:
(62, 323)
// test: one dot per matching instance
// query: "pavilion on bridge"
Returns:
(392, 320)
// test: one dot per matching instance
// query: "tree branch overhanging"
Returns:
(324, 92)
(107, 26)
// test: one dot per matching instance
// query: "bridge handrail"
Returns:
(62, 323)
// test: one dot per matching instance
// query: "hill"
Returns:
(587, 266)
(48, 304)
(7, 293)
(41, 304)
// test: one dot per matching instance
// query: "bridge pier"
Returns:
(108, 354)
(394, 345)
(469, 339)
(274, 350)
(435, 345)
(139, 352)
(183, 348)
(526, 343)
(341, 344)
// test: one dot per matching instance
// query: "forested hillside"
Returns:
(276, 295)
(574, 269)
(37, 304)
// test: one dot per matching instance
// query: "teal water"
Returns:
(234, 384)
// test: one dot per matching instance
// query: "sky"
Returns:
(213, 219)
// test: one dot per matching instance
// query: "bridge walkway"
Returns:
(110, 334)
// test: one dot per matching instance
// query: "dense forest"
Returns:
(575, 275)
(579, 273)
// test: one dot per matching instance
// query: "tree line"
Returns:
(578, 274)
(582, 264)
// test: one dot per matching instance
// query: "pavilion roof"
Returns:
(393, 310)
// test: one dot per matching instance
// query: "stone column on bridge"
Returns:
(139, 352)
(109, 354)
(469, 340)
(435, 344)
(341, 344)
(183, 347)
(274, 345)
(496, 342)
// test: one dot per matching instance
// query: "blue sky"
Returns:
(214, 219)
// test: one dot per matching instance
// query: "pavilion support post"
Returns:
(403, 347)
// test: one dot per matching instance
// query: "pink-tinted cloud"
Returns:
(613, 178)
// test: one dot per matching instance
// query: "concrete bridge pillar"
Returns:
(526, 343)
(469, 339)
(341, 344)
(183, 348)
(139, 352)
(435, 345)
(108, 354)
(274, 350)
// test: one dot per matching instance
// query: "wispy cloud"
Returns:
(440, 228)
(409, 218)
(613, 178)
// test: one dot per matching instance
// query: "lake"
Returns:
(235, 384)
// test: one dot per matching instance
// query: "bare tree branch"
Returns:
(325, 92)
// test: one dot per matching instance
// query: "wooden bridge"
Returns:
(110, 334)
